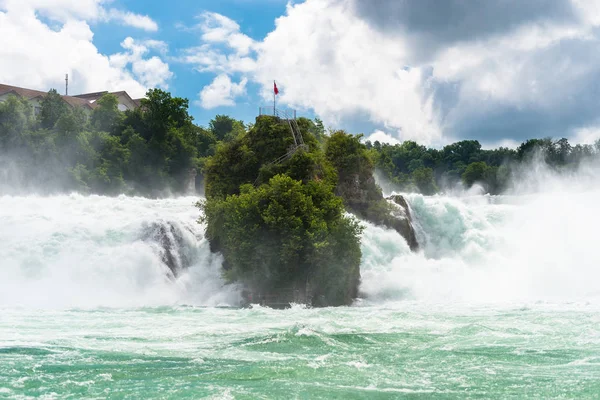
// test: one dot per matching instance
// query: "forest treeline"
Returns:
(153, 150)
(150, 150)
(413, 167)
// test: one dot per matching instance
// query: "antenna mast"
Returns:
(66, 84)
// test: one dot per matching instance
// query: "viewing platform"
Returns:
(277, 112)
(287, 116)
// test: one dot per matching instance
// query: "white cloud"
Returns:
(205, 58)
(59, 10)
(217, 28)
(222, 92)
(382, 137)
(329, 60)
(505, 68)
(89, 10)
(589, 10)
(319, 54)
(224, 50)
(131, 19)
(152, 72)
(40, 55)
(509, 143)
(157, 45)
(534, 73)
(587, 135)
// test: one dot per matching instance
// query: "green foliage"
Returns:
(407, 164)
(160, 145)
(314, 128)
(15, 118)
(476, 172)
(423, 180)
(146, 151)
(52, 108)
(280, 225)
(72, 121)
(356, 185)
(162, 141)
(348, 155)
(249, 157)
(106, 115)
(286, 234)
(319, 130)
(225, 128)
(161, 112)
(233, 164)
(205, 141)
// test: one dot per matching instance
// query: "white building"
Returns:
(86, 101)
(125, 101)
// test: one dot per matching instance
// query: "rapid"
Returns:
(501, 301)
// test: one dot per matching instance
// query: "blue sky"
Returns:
(256, 18)
(499, 71)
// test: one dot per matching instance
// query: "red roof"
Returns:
(80, 100)
(31, 94)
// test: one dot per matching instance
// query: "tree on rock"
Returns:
(286, 235)
(280, 226)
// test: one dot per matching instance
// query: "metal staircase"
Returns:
(289, 117)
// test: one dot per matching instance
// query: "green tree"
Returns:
(286, 234)
(320, 133)
(162, 112)
(107, 177)
(528, 148)
(225, 128)
(475, 172)
(72, 121)
(465, 152)
(15, 119)
(205, 141)
(563, 151)
(106, 115)
(348, 155)
(423, 180)
(52, 108)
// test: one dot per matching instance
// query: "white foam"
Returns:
(89, 251)
(523, 247)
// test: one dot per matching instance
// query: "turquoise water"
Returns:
(502, 302)
(400, 350)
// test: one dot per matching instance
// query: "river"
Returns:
(501, 301)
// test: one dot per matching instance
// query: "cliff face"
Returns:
(356, 185)
(402, 220)
(363, 198)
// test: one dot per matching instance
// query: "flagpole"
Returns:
(274, 96)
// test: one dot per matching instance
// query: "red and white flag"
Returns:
(275, 90)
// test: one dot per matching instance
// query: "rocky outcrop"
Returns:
(402, 220)
(358, 193)
(171, 243)
(364, 198)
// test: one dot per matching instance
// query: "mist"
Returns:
(535, 242)
(67, 149)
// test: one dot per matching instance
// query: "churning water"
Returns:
(502, 301)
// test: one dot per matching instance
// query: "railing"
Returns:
(284, 157)
(288, 116)
(276, 112)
